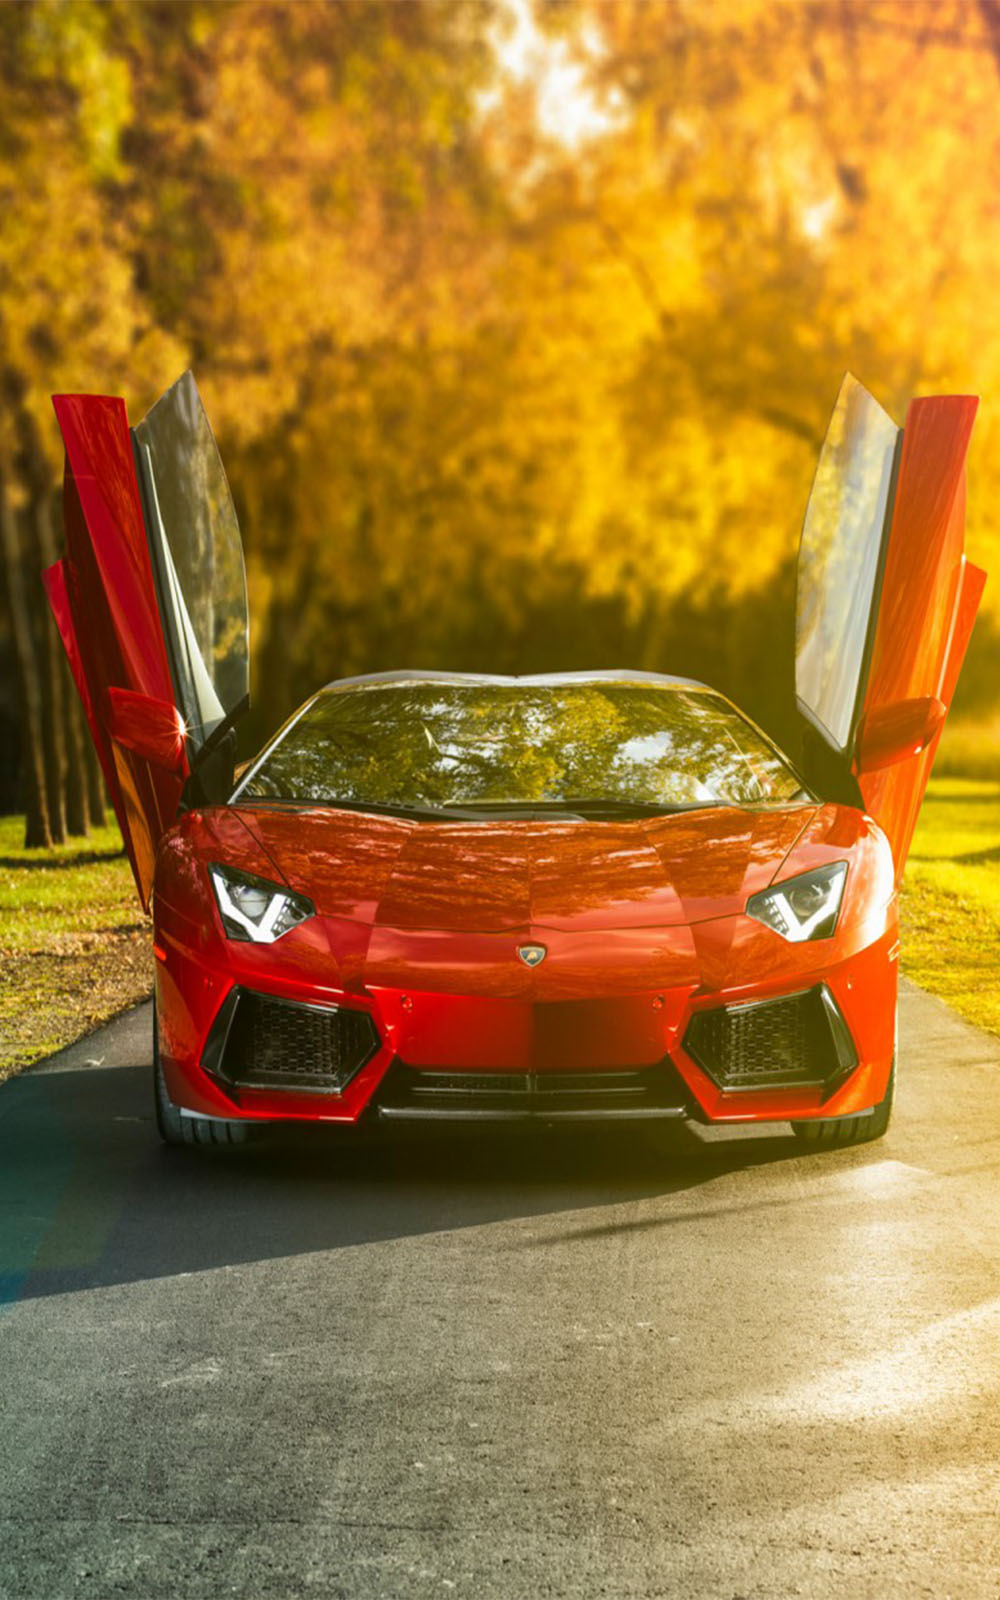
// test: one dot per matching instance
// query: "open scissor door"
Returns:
(885, 598)
(150, 601)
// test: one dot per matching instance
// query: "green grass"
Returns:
(950, 905)
(84, 886)
(74, 944)
(970, 748)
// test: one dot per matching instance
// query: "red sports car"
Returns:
(580, 896)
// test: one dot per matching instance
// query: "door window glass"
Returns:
(839, 560)
(197, 559)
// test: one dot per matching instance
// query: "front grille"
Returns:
(515, 1096)
(260, 1042)
(801, 1040)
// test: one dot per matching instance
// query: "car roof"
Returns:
(529, 680)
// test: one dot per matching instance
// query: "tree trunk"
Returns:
(37, 829)
(53, 719)
(64, 703)
(989, 10)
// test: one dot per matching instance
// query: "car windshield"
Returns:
(432, 746)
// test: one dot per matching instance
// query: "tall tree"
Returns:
(512, 365)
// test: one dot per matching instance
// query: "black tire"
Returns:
(175, 1129)
(830, 1133)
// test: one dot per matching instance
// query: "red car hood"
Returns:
(491, 876)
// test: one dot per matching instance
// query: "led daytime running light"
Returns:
(253, 910)
(802, 908)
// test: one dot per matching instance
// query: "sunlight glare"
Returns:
(568, 110)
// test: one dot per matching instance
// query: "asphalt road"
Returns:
(491, 1365)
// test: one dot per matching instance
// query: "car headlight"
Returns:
(802, 908)
(255, 910)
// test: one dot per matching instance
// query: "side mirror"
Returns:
(152, 729)
(896, 731)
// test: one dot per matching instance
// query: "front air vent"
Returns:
(469, 1095)
(799, 1041)
(261, 1042)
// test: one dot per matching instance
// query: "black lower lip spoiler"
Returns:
(515, 1114)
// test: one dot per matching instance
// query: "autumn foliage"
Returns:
(519, 338)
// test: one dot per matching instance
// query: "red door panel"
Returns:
(98, 444)
(928, 602)
(104, 603)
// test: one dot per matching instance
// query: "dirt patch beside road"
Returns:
(48, 998)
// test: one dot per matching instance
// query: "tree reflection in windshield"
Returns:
(452, 744)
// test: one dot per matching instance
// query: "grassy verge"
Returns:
(74, 945)
(970, 748)
(950, 910)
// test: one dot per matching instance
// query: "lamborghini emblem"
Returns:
(531, 954)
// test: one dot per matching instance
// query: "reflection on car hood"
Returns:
(561, 873)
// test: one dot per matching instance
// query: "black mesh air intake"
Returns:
(798, 1041)
(259, 1042)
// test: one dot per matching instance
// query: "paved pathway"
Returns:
(559, 1365)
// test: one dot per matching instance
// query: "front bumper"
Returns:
(609, 1027)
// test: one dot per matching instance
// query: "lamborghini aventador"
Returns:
(603, 895)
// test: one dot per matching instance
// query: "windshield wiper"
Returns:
(572, 805)
(377, 807)
(481, 810)
(634, 808)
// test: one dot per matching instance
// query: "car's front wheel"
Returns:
(174, 1127)
(827, 1133)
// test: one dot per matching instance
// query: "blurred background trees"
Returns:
(518, 324)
